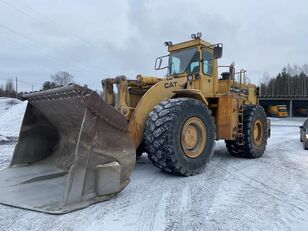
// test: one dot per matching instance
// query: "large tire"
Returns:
(167, 136)
(255, 134)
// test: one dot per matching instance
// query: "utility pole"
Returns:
(16, 88)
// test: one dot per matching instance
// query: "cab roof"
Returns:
(187, 44)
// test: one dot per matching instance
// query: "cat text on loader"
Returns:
(75, 149)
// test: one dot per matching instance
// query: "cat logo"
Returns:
(170, 84)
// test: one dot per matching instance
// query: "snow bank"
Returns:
(7, 103)
(11, 116)
(3, 139)
(292, 122)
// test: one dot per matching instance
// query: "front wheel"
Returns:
(180, 136)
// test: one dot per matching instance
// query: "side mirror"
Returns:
(162, 62)
(158, 63)
(217, 52)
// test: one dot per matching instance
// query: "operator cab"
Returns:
(191, 57)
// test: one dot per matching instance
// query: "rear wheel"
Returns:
(180, 136)
(255, 134)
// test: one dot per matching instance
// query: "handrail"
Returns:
(239, 76)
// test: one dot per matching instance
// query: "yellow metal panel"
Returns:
(191, 93)
(190, 43)
(162, 90)
(252, 98)
(227, 117)
(223, 86)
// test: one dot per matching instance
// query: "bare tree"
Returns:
(1, 90)
(9, 86)
(9, 89)
(288, 70)
(62, 78)
(265, 80)
(305, 69)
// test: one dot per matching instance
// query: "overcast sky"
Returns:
(94, 39)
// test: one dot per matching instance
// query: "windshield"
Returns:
(184, 61)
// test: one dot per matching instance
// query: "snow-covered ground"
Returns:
(11, 115)
(6, 103)
(270, 193)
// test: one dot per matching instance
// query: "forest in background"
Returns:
(291, 81)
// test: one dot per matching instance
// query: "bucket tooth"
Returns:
(73, 150)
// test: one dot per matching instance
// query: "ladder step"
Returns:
(240, 135)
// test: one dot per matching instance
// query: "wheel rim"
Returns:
(258, 132)
(193, 137)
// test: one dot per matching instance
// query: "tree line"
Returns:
(291, 81)
(61, 78)
(8, 90)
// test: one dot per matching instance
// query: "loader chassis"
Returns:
(75, 149)
(224, 97)
(192, 73)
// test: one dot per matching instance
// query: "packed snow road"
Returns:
(270, 193)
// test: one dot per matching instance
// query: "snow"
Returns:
(269, 193)
(11, 117)
(3, 139)
(6, 103)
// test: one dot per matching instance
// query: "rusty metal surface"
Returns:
(73, 150)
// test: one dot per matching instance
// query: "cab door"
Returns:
(207, 72)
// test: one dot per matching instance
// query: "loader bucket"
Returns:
(73, 150)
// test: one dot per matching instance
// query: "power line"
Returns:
(43, 45)
(22, 81)
(35, 43)
(56, 25)
(21, 87)
(50, 22)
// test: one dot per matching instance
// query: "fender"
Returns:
(161, 91)
(191, 93)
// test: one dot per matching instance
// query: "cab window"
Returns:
(207, 62)
(184, 61)
(194, 64)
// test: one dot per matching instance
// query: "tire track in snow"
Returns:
(149, 211)
(290, 206)
(189, 209)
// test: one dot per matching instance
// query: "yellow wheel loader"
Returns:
(75, 149)
(278, 111)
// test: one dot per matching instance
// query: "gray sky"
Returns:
(95, 39)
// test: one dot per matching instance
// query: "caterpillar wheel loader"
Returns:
(76, 149)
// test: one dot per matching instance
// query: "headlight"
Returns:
(306, 136)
